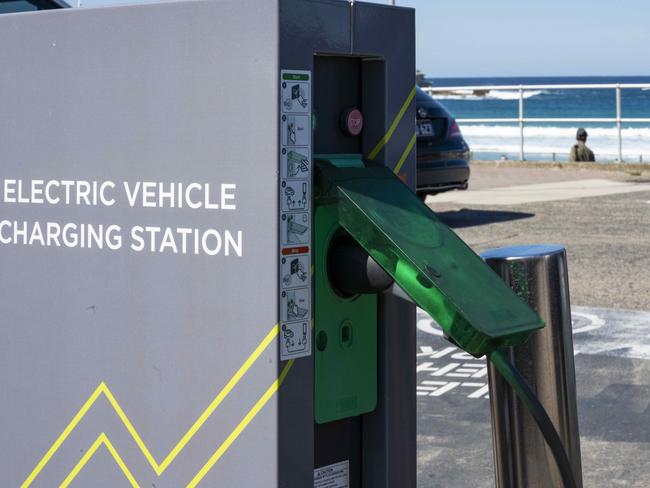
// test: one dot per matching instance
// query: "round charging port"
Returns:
(351, 271)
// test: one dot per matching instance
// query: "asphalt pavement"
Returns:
(612, 364)
(607, 236)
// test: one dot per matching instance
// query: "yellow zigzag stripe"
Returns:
(221, 450)
(241, 426)
(158, 468)
(102, 439)
(384, 140)
(404, 155)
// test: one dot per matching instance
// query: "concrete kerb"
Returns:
(634, 169)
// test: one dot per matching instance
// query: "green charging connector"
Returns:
(442, 275)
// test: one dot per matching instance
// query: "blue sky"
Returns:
(526, 37)
(532, 37)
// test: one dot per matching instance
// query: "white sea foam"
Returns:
(539, 139)
(490, 95)
(514, 95)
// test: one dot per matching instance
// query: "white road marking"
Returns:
(599, 331)
(585, 322)
(625, 334)
(542, 192)
(596, 331)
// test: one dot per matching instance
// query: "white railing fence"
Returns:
(522, 120)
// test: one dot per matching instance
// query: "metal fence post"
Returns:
(521, 123)
(538, 274)
(618, 123)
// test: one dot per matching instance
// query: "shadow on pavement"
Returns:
(467, 217)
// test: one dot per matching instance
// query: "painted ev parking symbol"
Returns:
(443, 368)
(585, 322)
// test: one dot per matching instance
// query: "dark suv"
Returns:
(13, 6)
(442, 153)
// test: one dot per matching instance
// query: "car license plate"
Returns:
(425, 128)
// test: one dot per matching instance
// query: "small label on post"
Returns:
(333, 476)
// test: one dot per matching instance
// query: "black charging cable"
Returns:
(528, 398)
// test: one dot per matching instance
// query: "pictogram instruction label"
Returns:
(333, 476)
(295, 214)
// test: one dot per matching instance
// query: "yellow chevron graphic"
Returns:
(158, 468)
(221, 450)
(398, 118)
(102, 439)
(405, 153)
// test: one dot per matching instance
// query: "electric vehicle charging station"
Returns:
(207, 226)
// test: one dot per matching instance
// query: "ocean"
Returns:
(542, 140)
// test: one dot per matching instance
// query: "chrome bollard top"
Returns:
(522, 252)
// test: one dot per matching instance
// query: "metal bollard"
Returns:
(538, 274)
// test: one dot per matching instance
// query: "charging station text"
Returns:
(192, 196)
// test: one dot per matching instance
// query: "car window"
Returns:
(12, 6)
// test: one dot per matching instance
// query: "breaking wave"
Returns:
(483, 94)
(539, 139)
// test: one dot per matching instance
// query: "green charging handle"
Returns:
(442, 275)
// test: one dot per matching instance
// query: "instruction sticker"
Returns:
(295, 164)
(294, 338)
(294, 271)
(295, 228)
(295, 195)
(333, 476)
(296, 130)
(295, 214)
(295, 95)
(294, 304)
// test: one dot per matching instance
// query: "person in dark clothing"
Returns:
(580, 151)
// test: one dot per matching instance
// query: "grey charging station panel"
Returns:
(155, 362)
(174, 93)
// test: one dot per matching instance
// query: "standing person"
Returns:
(580, 151)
